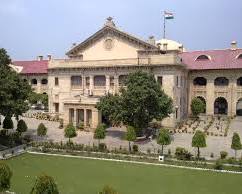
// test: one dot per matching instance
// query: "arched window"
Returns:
(203, 57)
(239, 56)
(44, 81)
(221, 81)
(239, 107)
(239, 81)
(25, 80)
(220, 106)
(34, 81)
(100, 80)
(199, 81)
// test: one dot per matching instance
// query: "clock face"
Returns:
(108, 44)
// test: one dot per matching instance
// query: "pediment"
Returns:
(109, 42)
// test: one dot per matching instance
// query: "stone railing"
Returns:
(159, 60)
(8, 153)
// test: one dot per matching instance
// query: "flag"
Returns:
(168, 15)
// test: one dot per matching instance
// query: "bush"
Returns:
(231, 160)
(44, 184)
(182, 154)
(21, 127)
(135, 148)
(5, 176)
(223, 154)
(102, 147)
(7, 123)
(41, 130)
(218, 165)
(108, 190)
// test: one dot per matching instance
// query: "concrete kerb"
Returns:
(137, 162)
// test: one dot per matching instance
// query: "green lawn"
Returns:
(84, 176)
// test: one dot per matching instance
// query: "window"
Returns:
(221, 81)
(56, 81)
(239, 81)
(199, 81)
(99, 80)
(239, 56)
(44, 81)
(76, 81)
(122, 80)
(34, 81)
(203, 57)
(177, 81)
(159, 80)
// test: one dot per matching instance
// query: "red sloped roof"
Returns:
(219, 59)
(33, 67)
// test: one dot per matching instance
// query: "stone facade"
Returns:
(99, 65)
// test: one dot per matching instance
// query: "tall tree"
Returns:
(70, 131)
(139, 103)
(164, 138)
(44, 184)
(100, 132)
(236, 143)
(199, 141)
(13, 90)
(5, 176)
(130, 135)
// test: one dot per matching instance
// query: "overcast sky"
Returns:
(39, 27)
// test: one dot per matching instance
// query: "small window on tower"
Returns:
(203, 57)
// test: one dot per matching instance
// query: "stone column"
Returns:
(107, 83)
(210, 95)
(74, 119)
(83, 83)
(91, 82)
(96, 118)
(116, 84)
(233, 97)
(38, 89)
(85, 117)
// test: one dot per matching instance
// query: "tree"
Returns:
(199, 141)
(41, 130)
(8, 123)
(5, 177)
(110, 108)
(164, 138)
(139, 103)
(197, 106)
(14, 90)
(236, 144)
(44, 184)
(130, 135)
(34, 98)
(100, 132)
(21, 126)
(108, 190)
(70, 131)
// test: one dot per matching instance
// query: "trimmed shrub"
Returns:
(182, 154)
(223, 154)
(21, 127)
(41, 130)
(102, 147)
(7, 123)
(5, 176)
(135, 148)
(218, 165)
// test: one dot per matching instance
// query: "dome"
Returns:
(171, 44)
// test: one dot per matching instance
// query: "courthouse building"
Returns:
(100, 64)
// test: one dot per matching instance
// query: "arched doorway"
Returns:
(204, 101)
(239, 107)
(220, 106)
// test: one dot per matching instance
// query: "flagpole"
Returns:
(164, 28)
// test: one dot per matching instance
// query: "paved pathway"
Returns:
(113, 138)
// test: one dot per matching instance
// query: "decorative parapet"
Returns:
(160, 60)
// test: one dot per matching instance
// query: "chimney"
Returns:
(180, 48)
(233, 45)
(49, 57)
(40, 58)
(151, 40)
